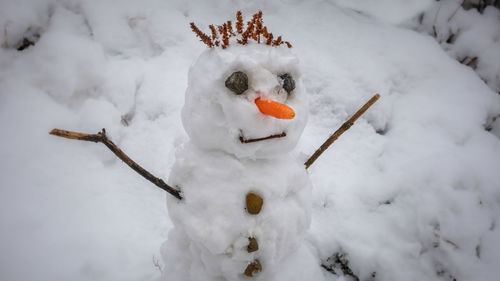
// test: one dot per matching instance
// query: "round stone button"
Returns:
(252, 245)
(253, 268)
(254, 203)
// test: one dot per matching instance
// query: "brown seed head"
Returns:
(254, 30)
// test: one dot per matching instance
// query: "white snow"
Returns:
(212, 219)
(410, 192)
(468, 36)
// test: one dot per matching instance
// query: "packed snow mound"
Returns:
(212, 221)
(216, 118)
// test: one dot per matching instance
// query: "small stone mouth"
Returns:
(243, 140)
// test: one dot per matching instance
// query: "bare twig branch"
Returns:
(341, 130)
(101, 137)
(5, 43)
(456, 10)
(260, 139)
(339, 262)
(435, 20)
(157, 264)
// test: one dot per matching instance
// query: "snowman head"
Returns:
(245, 99)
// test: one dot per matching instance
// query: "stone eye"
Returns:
(288, 82)
(237, 82)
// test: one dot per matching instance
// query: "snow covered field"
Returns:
(411, 192)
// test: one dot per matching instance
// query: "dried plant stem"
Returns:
(101, 137)
(225, 36)
(435, 20)
(260, 139)
(341, 130)
(254, 30)
(204, 38)
(5, 43)
(456, 10)
(239, 22)
(157, 264)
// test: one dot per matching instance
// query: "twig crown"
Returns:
(255, 29)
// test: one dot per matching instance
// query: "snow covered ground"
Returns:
(411, 192)
(470, 36)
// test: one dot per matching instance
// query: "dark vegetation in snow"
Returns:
(456, 25)
(338, 264)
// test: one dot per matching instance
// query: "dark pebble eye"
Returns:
(237, 82)
(288, 82)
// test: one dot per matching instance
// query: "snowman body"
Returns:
(215, 235)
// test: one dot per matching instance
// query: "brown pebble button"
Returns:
(253, 268)
(252, 245)
(254, 203)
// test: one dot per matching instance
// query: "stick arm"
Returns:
(344, 127)
(102, 138)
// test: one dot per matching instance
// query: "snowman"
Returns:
(246, 199)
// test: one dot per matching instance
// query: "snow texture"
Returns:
(466, 35)
(410, 192)
(213, 223)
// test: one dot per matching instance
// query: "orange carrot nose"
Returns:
(274, 109)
